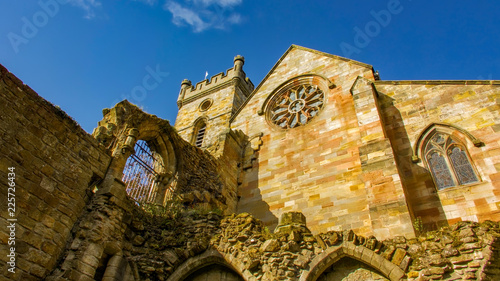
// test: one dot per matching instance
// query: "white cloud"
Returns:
(186, 15)
(199, 14)
(222, 3)
(148, 2)
(89, 6)
(234, 18)
(204, 14)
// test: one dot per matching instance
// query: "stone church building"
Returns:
(322, 171)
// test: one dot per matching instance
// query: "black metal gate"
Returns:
(141, 173)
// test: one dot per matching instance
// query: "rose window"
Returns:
(296, 106)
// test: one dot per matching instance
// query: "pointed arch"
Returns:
(208, 258)
(443, 150)
(442, 127)
(148, 170)
(334, 254)
(142, 170)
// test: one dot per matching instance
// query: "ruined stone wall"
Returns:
(338, 169)
(117, 240)
(55, 163)
(463, 251)
(149, 245)
(409, 107)
(201, 177)
(194, 176)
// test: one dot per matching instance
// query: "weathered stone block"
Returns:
(271, 245)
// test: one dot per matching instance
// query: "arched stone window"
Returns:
(199, 132)
(142, 172)
(448, 161)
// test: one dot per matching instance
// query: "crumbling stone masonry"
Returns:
(55, 163)
(370, 180)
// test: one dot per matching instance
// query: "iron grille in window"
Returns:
(141, 173)
(199, 136)
(449, 162)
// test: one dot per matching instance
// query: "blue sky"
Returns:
(86, 55)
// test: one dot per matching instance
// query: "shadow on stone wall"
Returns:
(420, 191)
(257, 207)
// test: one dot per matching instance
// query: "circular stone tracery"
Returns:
(296, 106)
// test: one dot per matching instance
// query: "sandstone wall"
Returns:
(226, 92)
(338, 169)
(409, 107)
(56, 162)
(174, 246)
(57, 165)
(217, 116)
(192, 175)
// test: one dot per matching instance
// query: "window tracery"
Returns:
(296, 106)
(448, 161)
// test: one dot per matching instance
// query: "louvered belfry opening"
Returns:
(199, 136)
(141, 173)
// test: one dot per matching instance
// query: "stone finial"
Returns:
(239, 58)
(238, 63)
(185, 83)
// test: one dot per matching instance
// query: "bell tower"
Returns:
(206, 108)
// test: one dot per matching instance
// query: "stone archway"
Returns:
(214, 272)
(364, 258)
(349, 269)
(210, 265)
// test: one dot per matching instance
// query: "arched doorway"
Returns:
(208, 266)
(348, 262)
(348, 269)
(214, 272)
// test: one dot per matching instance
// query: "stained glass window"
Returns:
(463, 168)
(440, 170)
(448, 162)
